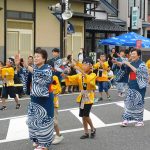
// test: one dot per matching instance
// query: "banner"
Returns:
(134, 18)
(138, 44)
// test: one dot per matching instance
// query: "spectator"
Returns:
(7, 74)
(81, 55)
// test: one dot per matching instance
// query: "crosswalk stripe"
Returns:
(17, 129)
(96, 121)
(146, 112)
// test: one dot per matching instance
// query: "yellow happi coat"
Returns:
(7, 74)
(56, 88)
(89, 79)
(104, 69)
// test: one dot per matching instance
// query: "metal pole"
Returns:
(61, 31)
(5, 29)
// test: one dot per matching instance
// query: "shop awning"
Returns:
(82, 15)
(103, 26)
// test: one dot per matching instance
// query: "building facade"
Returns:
(27, 24)
(113, 17)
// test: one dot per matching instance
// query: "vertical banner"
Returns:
(138, 44)
(134, 18)
(93, 56)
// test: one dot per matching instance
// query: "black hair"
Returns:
(30, 57)
(139, 52)
(69, 57)
(88, 60)
(43, 52)
(11, 60)
(122, 50)
(112, 49)
(56, 50)
(102, 54)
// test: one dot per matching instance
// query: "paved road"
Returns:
(106, 116)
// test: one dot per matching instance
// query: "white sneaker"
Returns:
(95, 100)
(139, 124)
(124, 123)
(119, 94)
(57, 139)
(35, 144)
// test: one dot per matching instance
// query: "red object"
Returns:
(132, 76)
(50, 88)
(138, 44)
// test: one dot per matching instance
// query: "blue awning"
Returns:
(128, 39)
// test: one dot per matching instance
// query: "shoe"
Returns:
(122, 94)
(96, 100)
(139, 124)
(85, 136)
(124, 123)
(3, 108)
(57, 139)
(100, 99)
(93, 133)
(108, 97)
(41, 148)
(35, 145)
(18, 106)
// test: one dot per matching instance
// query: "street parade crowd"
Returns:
(45, 79)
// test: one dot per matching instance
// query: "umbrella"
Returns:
(127, 39)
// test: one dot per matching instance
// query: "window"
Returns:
(113, 3)
(18, 15)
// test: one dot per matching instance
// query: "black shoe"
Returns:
(85, 136)
(18, 106)
(93, 133)
(3, 108)
(100, 99)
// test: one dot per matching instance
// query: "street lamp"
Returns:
(67, 14)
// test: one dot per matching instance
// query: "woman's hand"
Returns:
(126, 63)
(114, 61)
(17, 60)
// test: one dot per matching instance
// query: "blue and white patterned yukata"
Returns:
(41, 108)
(134, 102)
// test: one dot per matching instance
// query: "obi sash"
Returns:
(132, 75)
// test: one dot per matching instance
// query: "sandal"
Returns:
(41, 148)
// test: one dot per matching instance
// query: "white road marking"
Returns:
(146, 112)
(18, 129)
(96, 121)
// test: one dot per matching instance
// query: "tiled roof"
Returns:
(103, 25)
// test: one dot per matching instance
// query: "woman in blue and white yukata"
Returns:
(138, 79)
(41, 108)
